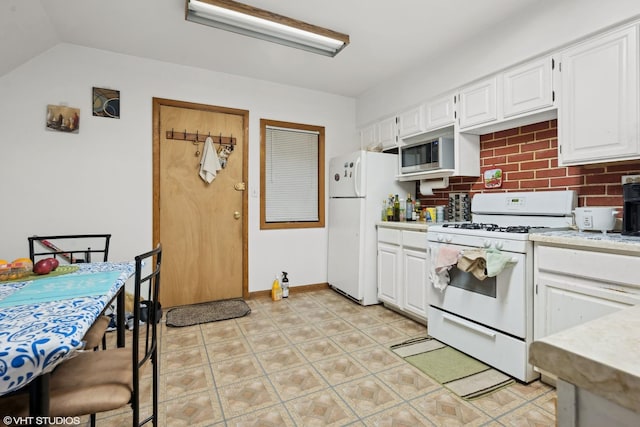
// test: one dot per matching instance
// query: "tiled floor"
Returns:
(317, 359)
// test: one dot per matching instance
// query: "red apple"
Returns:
(44, 266)
(54, 263)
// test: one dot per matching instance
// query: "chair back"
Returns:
(145, 336)
(72, 248)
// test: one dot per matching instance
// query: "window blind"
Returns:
(291, 175)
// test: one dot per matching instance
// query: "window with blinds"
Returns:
(292, 175)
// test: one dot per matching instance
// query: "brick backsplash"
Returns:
(528, 157)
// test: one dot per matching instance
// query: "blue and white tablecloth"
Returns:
(38, 329)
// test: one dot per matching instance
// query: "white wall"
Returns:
(543, 28)
(100, 180)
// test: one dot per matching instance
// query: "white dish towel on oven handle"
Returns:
(497, 261)
(442, 259)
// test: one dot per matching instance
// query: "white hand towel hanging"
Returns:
(209, 162)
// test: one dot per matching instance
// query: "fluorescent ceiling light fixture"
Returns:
(250, 21)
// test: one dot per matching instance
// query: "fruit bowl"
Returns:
(15, 270)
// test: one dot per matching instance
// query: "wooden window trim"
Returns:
(321, 176)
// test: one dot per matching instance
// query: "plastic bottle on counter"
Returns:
(403, 210)
(285, 285)
(276, 290)
(439, 213)
(383, 212)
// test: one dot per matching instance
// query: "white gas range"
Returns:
(491, 317)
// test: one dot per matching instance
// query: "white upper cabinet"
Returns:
(478, 102)
(440, 112)
(518, 96)
(388, 132)
(527, 87)
(598, 113)
(411, 122)
(380, 135)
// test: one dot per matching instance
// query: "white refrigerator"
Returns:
(358, 184)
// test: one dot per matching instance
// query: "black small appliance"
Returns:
(631, 209)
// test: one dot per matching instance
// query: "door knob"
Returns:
(240, 186)
(236, 215)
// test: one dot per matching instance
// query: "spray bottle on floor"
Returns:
(285, 285)
(276, 290)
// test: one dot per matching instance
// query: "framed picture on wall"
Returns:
(61, 118)
(106, 103)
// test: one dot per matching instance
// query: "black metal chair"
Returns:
(72, 248)
(101, 381)
(76, 248)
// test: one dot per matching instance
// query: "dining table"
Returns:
(43, 320)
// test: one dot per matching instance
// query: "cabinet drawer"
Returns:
(602, 266)
(414, 239)
(388, 235)
(487, 345)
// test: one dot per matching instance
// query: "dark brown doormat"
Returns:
(207, 312)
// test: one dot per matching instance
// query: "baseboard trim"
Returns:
(292, 290)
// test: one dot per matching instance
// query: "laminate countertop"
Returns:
(590, 240)
(411, 225)
(601, 356)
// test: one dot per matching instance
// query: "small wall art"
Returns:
(493, 178)
(106, 103)
(61, 118)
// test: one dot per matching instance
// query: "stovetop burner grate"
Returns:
(495, 227)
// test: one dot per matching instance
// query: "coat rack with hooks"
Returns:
(200, 137)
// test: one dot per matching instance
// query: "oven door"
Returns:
(498, 302)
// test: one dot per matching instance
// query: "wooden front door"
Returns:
(202, 227)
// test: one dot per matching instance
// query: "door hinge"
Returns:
(553, 96)
(455, 115)
(455, 99)
(553, 63)
(560, 149)
(560, 66)
(536, 289)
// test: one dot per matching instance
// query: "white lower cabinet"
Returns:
(388, 272)
(574, 286)
(402, 271)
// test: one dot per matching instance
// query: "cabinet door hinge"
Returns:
(536, 289)
(455, 115)
(553, 63)
(553, 96)
(560, 149)
(454, 99)
(560, 66)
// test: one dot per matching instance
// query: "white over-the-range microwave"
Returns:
(436, 153)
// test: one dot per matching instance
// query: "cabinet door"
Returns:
(387, 132)
(440, 112)
(564, 301)
(411, 122)
(527, 87)
(388, 272)
(598, 111)
(415, 281)
(478, 103)
(369, 137)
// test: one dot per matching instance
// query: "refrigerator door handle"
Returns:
(357, 179)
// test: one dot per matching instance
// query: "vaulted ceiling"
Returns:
(387, 37)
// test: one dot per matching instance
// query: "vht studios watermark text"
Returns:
(39, 421)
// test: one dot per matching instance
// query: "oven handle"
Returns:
(489, 333)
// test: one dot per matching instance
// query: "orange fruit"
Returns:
(26, 260)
